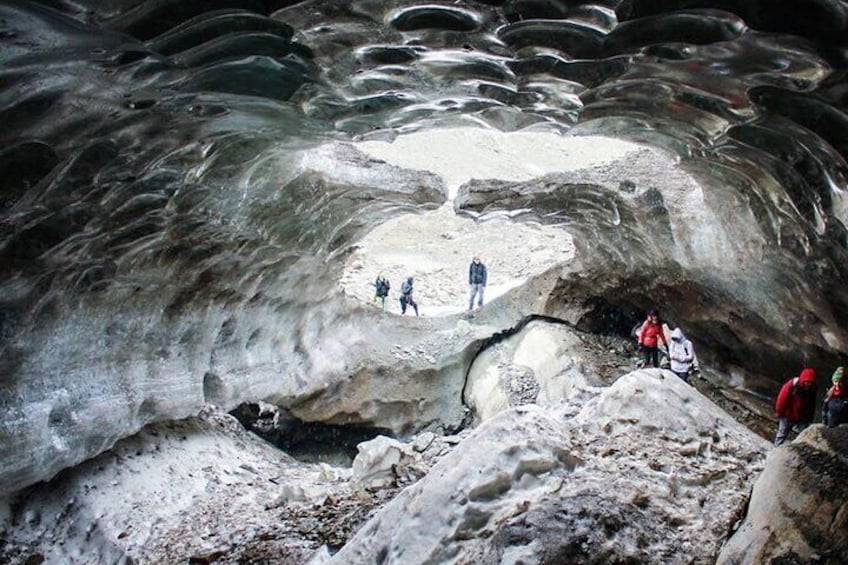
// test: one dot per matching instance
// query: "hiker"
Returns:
(406, 296)
(477, 280)
(650, 335)
(795, 404)
(381, 289)
(681, 354)
(835, 399)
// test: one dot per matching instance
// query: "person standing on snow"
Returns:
(381, 289)
(406, 296)
(477, 280)
(681, 354)
(650, 335)
(796, 404)
(835, 399)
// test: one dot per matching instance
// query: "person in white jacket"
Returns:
(681, 354)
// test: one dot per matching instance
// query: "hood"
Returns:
(808, 375)
(677, 334)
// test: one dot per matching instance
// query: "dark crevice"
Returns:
(309, 442)
(607, 318)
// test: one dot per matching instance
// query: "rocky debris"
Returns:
(382, 468)
(388, 463)
(521, 386)
(647, 471)
(204, 490)
(200, 488)
(798, 511)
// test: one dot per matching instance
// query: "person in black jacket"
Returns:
(477, 280)
(381, 289)
(835, 401)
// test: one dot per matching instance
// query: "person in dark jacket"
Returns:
(406, 298)
(795, 404)
(477, 281)
(835, 401)
(650, 335)
(381, 289)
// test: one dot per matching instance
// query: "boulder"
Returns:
(798, 511)
(378, 462)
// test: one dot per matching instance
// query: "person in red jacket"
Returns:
(650, 335)
(796, 404)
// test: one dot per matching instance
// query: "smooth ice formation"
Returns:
(195, 196)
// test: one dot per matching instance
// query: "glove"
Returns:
(640, 348)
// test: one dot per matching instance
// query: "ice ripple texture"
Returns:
(163, 246)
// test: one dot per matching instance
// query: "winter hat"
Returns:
(808, 376)
(837, 374)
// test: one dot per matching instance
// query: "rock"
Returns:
(798, 511)
(423, 441)
(378, 462)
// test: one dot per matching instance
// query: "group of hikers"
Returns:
(795, 406)
(382, 286)
(477, 276)
(680, 351)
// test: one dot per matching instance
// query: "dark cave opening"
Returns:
(608, 318)
(724, 332)
(309, 442)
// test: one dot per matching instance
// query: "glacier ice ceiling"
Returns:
(182, 183)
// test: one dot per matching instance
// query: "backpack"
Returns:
(383, 288)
